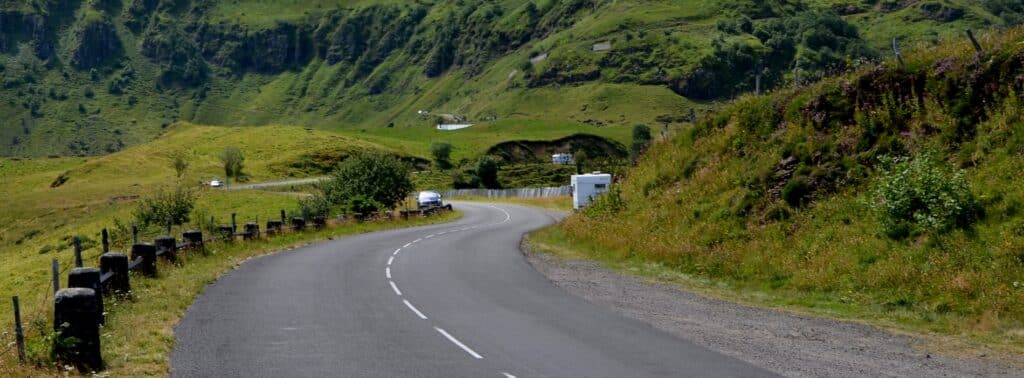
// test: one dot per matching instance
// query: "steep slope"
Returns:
(85, 77)
(890, 194)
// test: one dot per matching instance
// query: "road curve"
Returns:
(457, 299)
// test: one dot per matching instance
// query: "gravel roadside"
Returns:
(790, 344)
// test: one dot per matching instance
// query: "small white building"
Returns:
(561, 159)
(587, 187)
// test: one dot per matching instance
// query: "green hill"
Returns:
(890, 194)
(88, 77)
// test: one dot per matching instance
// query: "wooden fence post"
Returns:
(106, 241)
(56, 275)
(78, 252)
(19, 334)
(896, 50)
(974, 41)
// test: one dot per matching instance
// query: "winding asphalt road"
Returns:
(452, 300)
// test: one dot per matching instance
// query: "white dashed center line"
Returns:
(459, 343)
(413, 308)
(387, 272)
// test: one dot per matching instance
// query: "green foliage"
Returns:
(378, 177)
(314, 206)
(487, 172)
(174, 206)
(920, 195)
(360, 204)
(442, 152)
(179, 162)
(641, 140)
(606, 205)
(233, 162)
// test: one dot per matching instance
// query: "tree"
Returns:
(487, 171)
(442, 152)
(580, 158)
(368, 178)
(641, 140)
(166, 206)
(233, 161)
(179, 163)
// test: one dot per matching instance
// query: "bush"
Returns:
(166, 206)
(920, 195)
(372, 176)
(315, 205)
(607, 204)
(442, 152)
(487, 171)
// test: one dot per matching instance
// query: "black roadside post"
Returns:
(167, 247)
(88, 278)
(116, 265)
(135, 234)
(194, 239)
(234, 225)
(226, 233)
(283, 219)
(76, 317)
(144, 255)
(19, 334)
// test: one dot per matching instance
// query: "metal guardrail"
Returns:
(557, 191)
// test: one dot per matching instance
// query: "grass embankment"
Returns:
(770, 200)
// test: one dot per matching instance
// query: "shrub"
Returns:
(442, 152)
(487, 171)
(166, 206)
(914, 196)
(797, 190)
(315, 205)
(369, 175)
(607, 204)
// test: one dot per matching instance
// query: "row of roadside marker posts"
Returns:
(78, 309)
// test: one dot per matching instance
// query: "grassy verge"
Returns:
(139, 336)
(555, 241)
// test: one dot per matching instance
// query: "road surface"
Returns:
(273, 184)
(452, 300)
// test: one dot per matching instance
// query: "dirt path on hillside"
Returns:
(790, 344)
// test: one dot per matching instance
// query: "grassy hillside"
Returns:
(794, 199)
(90, 77)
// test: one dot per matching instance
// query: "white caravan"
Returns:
(587, 187)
